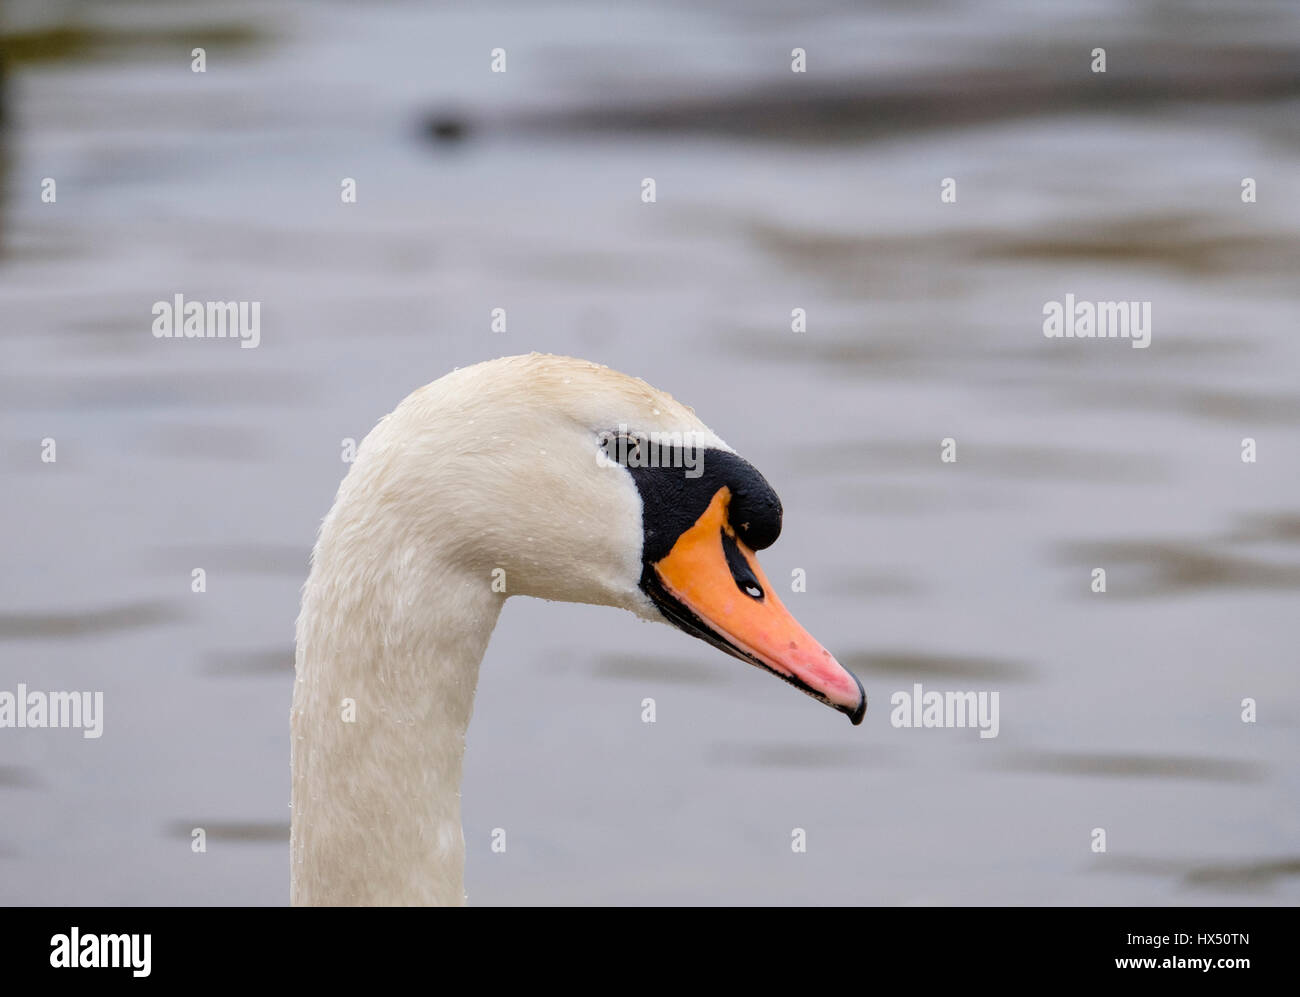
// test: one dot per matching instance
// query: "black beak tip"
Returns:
(860, 711)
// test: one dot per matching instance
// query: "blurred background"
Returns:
(775, 191)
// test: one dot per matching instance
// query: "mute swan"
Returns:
(527, 471)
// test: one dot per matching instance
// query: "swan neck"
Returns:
(385, 678)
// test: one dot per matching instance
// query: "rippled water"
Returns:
(522, 191)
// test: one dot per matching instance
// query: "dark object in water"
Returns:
(848, 109)
(448, 128)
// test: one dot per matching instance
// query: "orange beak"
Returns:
(716, 590)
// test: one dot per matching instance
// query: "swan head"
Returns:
(562, 479)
